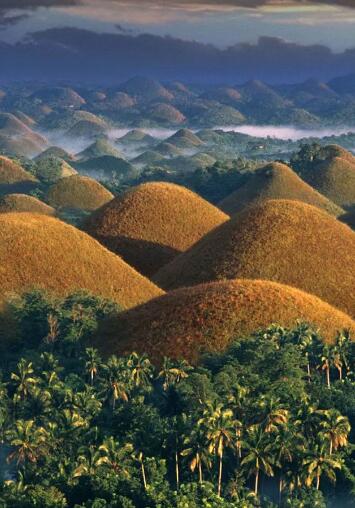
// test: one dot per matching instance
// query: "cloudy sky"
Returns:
(223, 24)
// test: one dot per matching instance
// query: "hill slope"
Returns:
(14, 178)
(41, 251)
(189, 321)
(152, 223)
(285, 241)
(275, 181)
(24, 203)
(78, 192)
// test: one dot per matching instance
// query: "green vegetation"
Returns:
(267, 423)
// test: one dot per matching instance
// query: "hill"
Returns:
(59, 97)
(206, 318)
(165, 114)
(99, 148)
(78, 192)
(185, 139)
(52, 169)
(24, 203)
(86, 129)
(41, 251)
(145, 89)
(284, 241)
(335, 179)
(136, 137)
(56, 152)
(152, 223)
(106, 166)
(275, 181)
(13, 178)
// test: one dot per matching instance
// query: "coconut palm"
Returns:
(116, 383)
(259, 454)
(30, 442)
(196, 452)
(23, 380)
(326, 361)
(141, 370)
(172, 372)
(114, 456)
(335, 429)
(87, 462)
(92, 363)
(341, 352)
(273, 413)
(220, 433)
(318, 463)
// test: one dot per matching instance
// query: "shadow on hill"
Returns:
(17, 188)
(146, 257)
(349, 217)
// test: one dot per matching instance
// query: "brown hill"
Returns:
(78, 192)
(335, 179)
(189, 321)
(152, 223)
(14, 178)
(331, 151)
(41, 251)
(165, 113)
(275, 181)
(24, 203)
(284, 241)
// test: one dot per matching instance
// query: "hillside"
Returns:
(275, 181)
(78, 192)
(152, 223)
(185, 139)
(41, 251)
(24, 203)
(284, 241)
(13, 178)
(52, 169)
(56, 152)
(190, 321)
(99, 148)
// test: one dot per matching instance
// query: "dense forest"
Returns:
(267, 423)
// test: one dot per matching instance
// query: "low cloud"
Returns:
(71, 54)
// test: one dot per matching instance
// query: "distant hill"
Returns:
(275, 181)
(99, 148)
(190, 321)
(38, 251)
(23, 203)
(145, 89)
(61, 97)
(137, 137)
(54, 152)
(106, 166)
(152, 223)
(284, 241)
(165, 114)
(184, 139)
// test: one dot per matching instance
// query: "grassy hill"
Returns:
(41, 251)
(99, 148)
(78, 192)
(275, 181)
(190, 321)
(284, 241)
(13, 178)
(152, 223)
(24, 203)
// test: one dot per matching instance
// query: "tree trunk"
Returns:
(177, 470)
(308, 371)
(328, 377)
(143, 475)
(200, 472)
(92, 377)
(281, 487)
(318, 481)
(256, 482)
(331, 447)
(220, 474)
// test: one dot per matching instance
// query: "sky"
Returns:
(207, 25)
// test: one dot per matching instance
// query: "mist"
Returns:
(285, 132)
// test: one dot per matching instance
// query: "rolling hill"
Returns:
(41, 251)
(13, 178)
(78, 192)
(284, 241)
(24, 203)
(152, 223)
(275, 181)
(206, 318)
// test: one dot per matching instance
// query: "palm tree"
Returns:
(220, 432)
(259, 454)
(285, 444)
(326, 362)
(335, 428)
(92, 362)
(273, 414)
(116, 380)
(319, 463)
(30, 442)
(304, 338)
(141, 370)
(88, 462)
(113, 455)
(24, 381)
(341, 352)
(196, 452)
(172, 372)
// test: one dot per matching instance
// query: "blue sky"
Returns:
(207, 22)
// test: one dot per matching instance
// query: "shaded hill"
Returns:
(165, 114)
(13, 178)
(137, 137)
(106, 166)
(206, 318)
(145, 89)
(284, 241)
(41, 251)
(78, 192)
(184, 139)
(275, 181)
(24, 203)
(56, 152)
(152, 223)
(99, 148)
(86, 129)
(59, 97)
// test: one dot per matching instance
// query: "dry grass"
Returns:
(276, 181)
(152, 223)
(189, 321)
(78, 192)
(284, 241)
(11, 172)
(41, 251)
(24, 203)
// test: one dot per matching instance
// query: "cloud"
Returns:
(71, 54)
